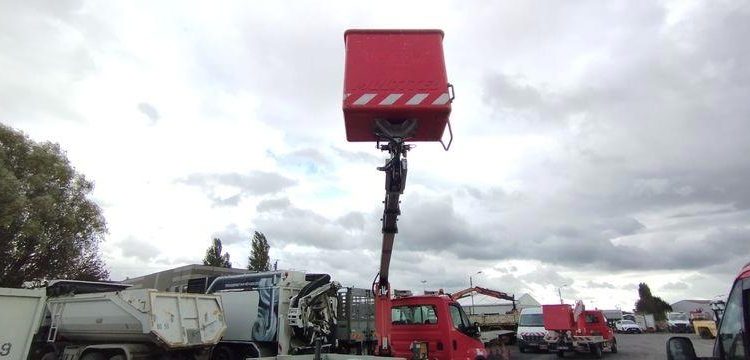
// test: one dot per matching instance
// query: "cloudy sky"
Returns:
(598, 143)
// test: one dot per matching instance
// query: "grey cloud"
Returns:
(678, 285)
(547, 276)
(150, 111)
(253, 183)
(43, 60)
(603, 285)
(357, 156)
(311, 160)
(432, 224)
(231, 235)
(139, 249)
(273, 204)
(629, 287)
(293, 225)
(505, 92)
(352, 220)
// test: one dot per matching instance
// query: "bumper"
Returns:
(680, 328)
(533, 343)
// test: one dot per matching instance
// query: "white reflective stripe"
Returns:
(390, 99)
(416, 99)
(442, 100)
(364, 99)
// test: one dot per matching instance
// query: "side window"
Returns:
(731, 332)
(413, 315)
(456, 317)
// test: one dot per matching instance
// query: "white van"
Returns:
(531, 332)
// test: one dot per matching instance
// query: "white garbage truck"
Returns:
(77, 320)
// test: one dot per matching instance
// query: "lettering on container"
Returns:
(5, 349)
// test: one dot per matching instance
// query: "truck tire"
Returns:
(222, 352)
(596, 349)
(560, 353)
(613, 347)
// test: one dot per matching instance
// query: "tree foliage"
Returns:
(649, 304)
(49, 228)
(214, 257)
(259, 259)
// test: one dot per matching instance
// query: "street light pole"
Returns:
(471, 285)
(424, 287)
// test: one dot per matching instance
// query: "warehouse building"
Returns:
(687, 306)
(177, 279)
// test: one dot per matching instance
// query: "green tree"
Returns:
(214, 256)
(649, 304)
(259, 260)
(49, 228)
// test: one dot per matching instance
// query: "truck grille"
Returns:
(533, 337)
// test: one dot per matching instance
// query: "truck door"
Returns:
(732, 340)
(422, 323)
(462, 344)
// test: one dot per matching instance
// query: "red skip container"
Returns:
(395, 75)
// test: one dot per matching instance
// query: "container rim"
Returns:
(394, 31)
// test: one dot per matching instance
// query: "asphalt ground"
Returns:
(629, 346)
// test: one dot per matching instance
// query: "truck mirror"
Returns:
(680, 348)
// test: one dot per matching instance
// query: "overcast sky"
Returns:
(598, 143)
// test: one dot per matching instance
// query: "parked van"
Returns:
(531, 332)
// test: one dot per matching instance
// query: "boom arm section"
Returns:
(484, 291)
(395, 170)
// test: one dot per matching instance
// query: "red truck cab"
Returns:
(437, 321)
(733, 337)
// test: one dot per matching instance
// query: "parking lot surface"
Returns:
(630, 346)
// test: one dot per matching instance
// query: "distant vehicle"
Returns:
(646, 322)
(733, 337)
(628, 326)
(678, 322)
(494, 326)
(531, 332)
(578, 330)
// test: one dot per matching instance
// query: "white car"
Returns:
(627, 326)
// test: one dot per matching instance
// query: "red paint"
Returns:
(445, 341)
(385, 62)
(745, 272)
(589, 322)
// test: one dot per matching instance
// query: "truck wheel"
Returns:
(597, 350)
(221, 352)
(94, 355)
(560, 353)
(613, 347)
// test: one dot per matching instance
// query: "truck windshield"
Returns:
(677, 316)
(459, 317)
(531, 320)
(414, 315)
(731, 335)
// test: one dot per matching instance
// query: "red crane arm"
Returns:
(484, 291)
